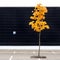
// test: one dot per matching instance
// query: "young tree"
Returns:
(38, 22)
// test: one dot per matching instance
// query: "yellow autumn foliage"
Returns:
(38, 23)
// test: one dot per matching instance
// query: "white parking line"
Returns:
(11, 57)
(39, 59)
(53, 52)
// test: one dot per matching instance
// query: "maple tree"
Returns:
(38, 22)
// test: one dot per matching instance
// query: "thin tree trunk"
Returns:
(39, 50)
(39, 45)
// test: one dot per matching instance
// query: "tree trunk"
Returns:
(39, 45)
(38, 56)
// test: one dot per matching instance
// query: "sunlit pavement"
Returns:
(26, 54)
